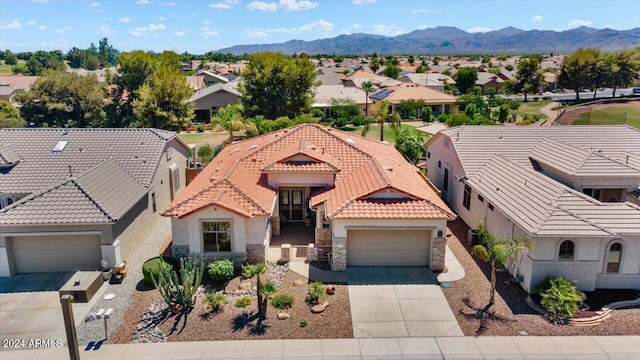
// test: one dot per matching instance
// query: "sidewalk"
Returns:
(522, 347)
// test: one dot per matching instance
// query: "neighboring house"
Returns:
(209, 100)
(6, 91)
(550, 81)
(369, 205)
(325, 94)
(70, 198)
(361, 75)
(215, 77)
(433, 81)
(488, 81)
(440, 103)
(19, 82)
(329, 76)
(100, 74)
(568, 189)
(196, 82)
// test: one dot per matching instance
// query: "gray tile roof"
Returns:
(8, 157)
(137, 151)
(101, 195)
(578, 162)
(544, 207)
(231, 87)
(476, 145)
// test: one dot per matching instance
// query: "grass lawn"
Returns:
(532, 107)
(207, 137)
(374, 132)
(6, 69)
(611, 115)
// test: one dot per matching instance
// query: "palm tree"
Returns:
(230, 118)
(381, 117)
(264, 290)
(366, 86)
(497, 252)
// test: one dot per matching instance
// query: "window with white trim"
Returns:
(566, 250)
(216, 236)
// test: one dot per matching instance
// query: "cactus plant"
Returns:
(179, 295)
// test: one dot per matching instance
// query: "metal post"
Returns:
(69, 325)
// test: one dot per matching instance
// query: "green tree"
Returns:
(375, 64)
(426, 114)
(367, 86)
(497, 252)
(466, 78)
(344, 108)
(421, 69)
(135, 69)
(162, 100)
(230, 118)
(20, 69)
(10, 58)
(410, 146)
(391, 71)
(382, 116)
(59, 99)
(75, 57)
(561, 298)
(576, 69)
(411, 59)
(276, 85)
(264, 289)
(626, 64)
(9, 116)
(529, 78)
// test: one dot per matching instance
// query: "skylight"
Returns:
(60, 146)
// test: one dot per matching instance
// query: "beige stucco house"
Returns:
(209, 100)
(568, 189)
(365, 204)
(70, 198)
(440, 102)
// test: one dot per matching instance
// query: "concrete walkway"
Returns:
(523, 347)
(398, 302)
(455, 271)
(551, 114)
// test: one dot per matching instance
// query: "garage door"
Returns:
(388, 247)
(33, 254)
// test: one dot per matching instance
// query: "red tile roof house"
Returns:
(70, 198)
(371, 207)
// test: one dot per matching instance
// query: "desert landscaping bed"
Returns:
(234, 323)
(512, 315)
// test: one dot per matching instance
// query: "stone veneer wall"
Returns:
(339, 256)
(323, 237)
(275, 225)
(256, 253)
(439, 247)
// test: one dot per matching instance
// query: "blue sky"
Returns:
(200, 26)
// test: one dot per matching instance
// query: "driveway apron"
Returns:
(398, 302)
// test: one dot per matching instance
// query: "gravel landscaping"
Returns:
(147, 320)
(511, 316)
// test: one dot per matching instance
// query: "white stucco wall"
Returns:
(448, 158)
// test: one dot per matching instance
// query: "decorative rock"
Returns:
(319, 308)
(331, 290)
(299, 282)
(283, 316)
(245, 285)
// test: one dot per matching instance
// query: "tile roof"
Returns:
(19, 82)
(235, 178)
(544, 207)
(324, 94)
(89, 198)
(8, 157)
(408, 91)
(137, 151)
(231, 88)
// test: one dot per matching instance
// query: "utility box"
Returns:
(82, 285)
(472, 237)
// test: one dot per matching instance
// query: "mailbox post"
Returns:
(69, 326)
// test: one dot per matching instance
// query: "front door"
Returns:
(291, 205)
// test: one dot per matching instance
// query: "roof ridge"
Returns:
(588, 221)
(245, 196)
(35, 195)
(104, 211)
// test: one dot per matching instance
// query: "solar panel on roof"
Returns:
(381, 94)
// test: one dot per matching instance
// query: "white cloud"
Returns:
(206, 22)
(262, 6)
(206, 32)
(142, 2)
(104, 30)
(172, 3)
(62, 30)
(418, 11)
(14, 25)
(39, 1)
(293, 5)
(574, 23)
(160, 18)
(477, 29)
(351, 28)
(422, 27)
(255, 33)
(30, 22)
(226, 4)
(391, 30)
(42, 27)
(181, 33)
(143, 30)
(360, 2)
(536, 18)
(607, 26)
(124, 20)
(92, 4)
(355, 26)
(318, 26)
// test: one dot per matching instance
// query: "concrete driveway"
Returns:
(30, 307)
(398, 302)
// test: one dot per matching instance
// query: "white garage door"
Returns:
(388, 247)
(33, 254)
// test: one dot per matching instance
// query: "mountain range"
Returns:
(451, 40)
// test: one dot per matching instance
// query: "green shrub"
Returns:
(303, 323)
(152, 266)
(243, 302)
(357, 120)
(200, 128)
(560, 297)
(215, 300)
(340, 122)
(282, 301)
(316, 293)
(221, 270)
